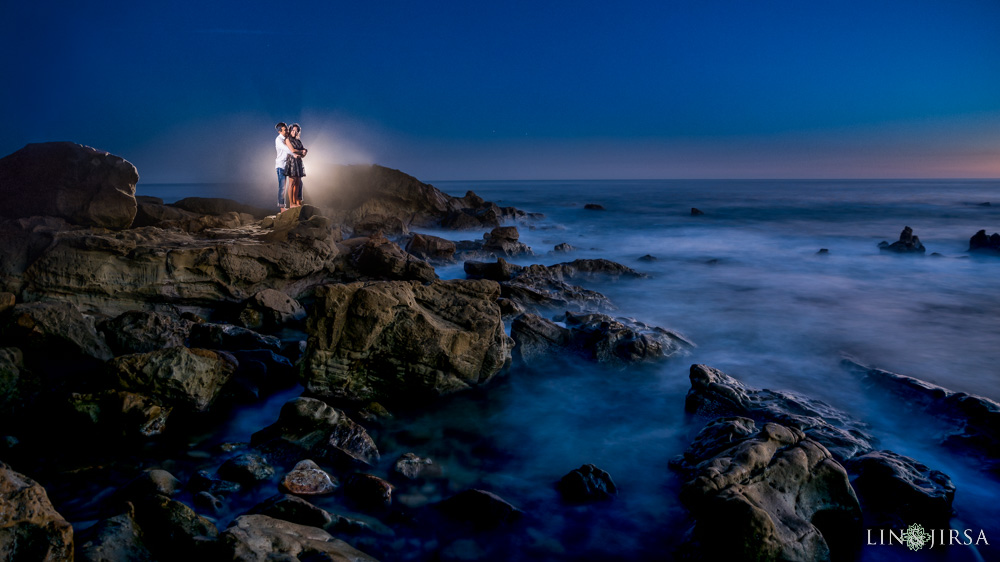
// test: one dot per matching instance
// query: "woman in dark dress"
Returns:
(294, 169)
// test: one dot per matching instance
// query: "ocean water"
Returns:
(746, 284)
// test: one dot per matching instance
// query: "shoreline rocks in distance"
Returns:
(907, 244)
(980, 242)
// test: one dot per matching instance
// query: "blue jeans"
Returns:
(281, 187)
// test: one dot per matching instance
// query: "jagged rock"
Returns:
(42, 327)
(535, 336)
(115, 538)
(504, 240)
(308, 479)
(156, 269)
(587, 484)
(622, 340)
(907, 243)
(896, 491)
(773, 495)
(412, 467)
(230, 338)
(141, 332)
(191, 378)
(259, 538)
(30, 527)
(981, 242)
(499, 271)
(172, 529)
(270, 310)
(218, 206)
(127, 413)
(85, 186)
(246, 469)
(368, 492)
(482, 509)
(302, 223)
(368, 259)
(714, 393)
(974, 421)
(315, 428)
(403, 341)
(427, 247)
(564, 247)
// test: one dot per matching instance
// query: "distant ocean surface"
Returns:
(746, 284)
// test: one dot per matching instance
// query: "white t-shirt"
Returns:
(282, 149)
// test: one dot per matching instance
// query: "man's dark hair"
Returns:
(279, 126)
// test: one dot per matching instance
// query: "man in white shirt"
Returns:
(279, 162)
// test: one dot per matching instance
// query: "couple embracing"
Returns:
(289, 165)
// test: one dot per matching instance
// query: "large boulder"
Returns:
(774, 494)
(311, 427)
(191, 378)
(504, 240)
(30, 528)
(259, 538)
(138, 331)
(172, 530)
(270, 310)
(403, 341)
(714, 393)
(78, 183)
(115, 538)
(427, 247)
(896, 491)
(378, 258)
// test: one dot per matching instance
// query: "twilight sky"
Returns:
(190, 91)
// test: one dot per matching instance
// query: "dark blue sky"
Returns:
(472, 90)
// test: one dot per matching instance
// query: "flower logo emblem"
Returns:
(915, 537)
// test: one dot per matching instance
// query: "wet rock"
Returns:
(774, 495)
(141, 332)
(587, 484)
(714, 394)
(30, 527)
(206, 502)
(80, 184)
(294, 509)
(128, 414)
(535, 336)
(509, 308)
(427, 247)
(230, 338)
(261, 538)
(583, 269)
(564, 247)
(368, 492)
(648, 257)
(412, 467)
(622, 340)
(57, 336)
(172, 529)
(402, 341)
(152, 481)
(907, 244)
(270, 310)
(191, 378)
(972, 422)
(312, 427)
(481, 509)
(980, 242)
(504, 240)
(308, 479)
(823, 251)
(205, 481)
(896, 491)
(499, 271)
(115, 538)
(246, 469)
(593, 207)
(695, 212)
(378, 258)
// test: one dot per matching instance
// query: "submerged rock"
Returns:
(587, 484)
(773, 494)
(714, 393)
(412, 467)
(314, 428)
(80, 184)
(402, 341)
(246, 469)
(30, 527)
(907, 244)
(368, 492)
(481, 509)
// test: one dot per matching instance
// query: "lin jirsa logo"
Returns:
(916, 537)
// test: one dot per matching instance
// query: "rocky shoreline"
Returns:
(132, 327)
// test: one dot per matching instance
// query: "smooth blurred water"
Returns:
(746, 284)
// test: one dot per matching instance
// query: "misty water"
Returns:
(746, 284)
